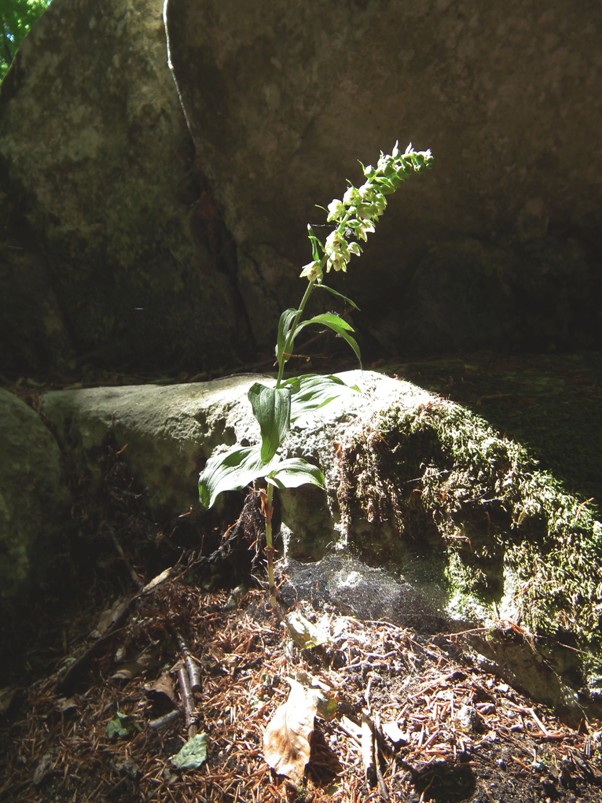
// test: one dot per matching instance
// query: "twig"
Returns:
(166, 719)
(137, 580)
(540, 724)
(379, 744)
(66, 683)
(350, 728)
(192, 667)
(368, 757)
(187, 701)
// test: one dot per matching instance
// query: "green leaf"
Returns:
(122, 726)
(312, 391)
(238, 467)
(230, 471)
(284, 328)
(339, 326)
(330, 319)
(193, 755)
(295, 471)
(316, 244)
(272, 408)
(338, 295)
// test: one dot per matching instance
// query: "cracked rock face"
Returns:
(34, 500)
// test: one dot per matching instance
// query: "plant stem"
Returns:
(269, 543)
(291, 335)
(269, 498)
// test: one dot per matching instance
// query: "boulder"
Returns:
(452, 522)
(34, 501)
(282, 100)
(112, 250)
(130, 240)
(168, 432)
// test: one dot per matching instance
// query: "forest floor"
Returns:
(106, 723)
(95, 705)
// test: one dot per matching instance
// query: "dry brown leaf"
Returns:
(286, 738)
(161, 691)
(111, 616)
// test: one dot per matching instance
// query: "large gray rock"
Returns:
(283, 98)
(416, 485)
(169, 432)
(111, 247)
(34, 500)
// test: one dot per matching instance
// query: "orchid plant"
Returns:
(278, 405)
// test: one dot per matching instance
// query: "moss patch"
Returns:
(501, 535)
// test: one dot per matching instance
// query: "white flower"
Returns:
(336, 209)
(312, 272)
(337, 262)
(349, 196)
(380, 202)
(366, 191)
(336, 249)
(364, 229)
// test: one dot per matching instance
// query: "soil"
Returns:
(93, 704)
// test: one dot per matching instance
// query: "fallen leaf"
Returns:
(193, 754)
(235, 597)
(137, 666)
(66, 705)
(109, 618)
(394, 734)
(160, 578)
(305, 634)
(44, 768)
(286, 745)
(326, 699)
(161, 692)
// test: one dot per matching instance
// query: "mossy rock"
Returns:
(437, 487)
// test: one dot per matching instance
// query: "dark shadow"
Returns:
(444, 782)
(552, 404)
(323, 766)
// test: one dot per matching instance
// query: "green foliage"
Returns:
(312, 391)
(16, 19)
(240, 466)
(122, 726)
(272, 408)
(276, 406)
(193, 754)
